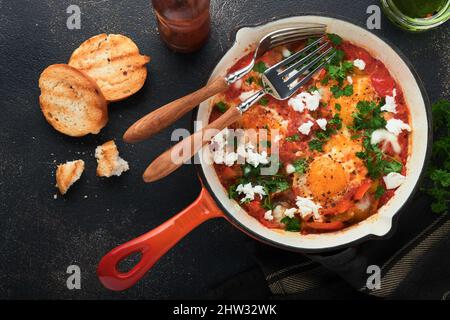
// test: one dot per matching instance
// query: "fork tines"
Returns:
(287, 76)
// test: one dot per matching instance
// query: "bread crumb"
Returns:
(108, 160)
(67, 174)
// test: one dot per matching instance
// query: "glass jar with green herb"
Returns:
(417, 15)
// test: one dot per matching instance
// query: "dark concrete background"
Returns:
(41, 236)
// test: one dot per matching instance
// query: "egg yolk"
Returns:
(326, 178)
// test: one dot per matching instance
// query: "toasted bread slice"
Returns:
(108, 160)
(71, 101)
(114, 62)
(68, 173)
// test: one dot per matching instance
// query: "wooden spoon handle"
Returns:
(166, 115)
(173, 158)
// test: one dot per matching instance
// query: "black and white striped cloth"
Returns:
(414, 264)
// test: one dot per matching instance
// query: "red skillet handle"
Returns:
(154, 244)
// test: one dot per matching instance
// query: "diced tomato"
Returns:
(381, 79)
(255, 209)
(228, 173)
(325, 226)
(341, 207)
(361, 191)
(245, 60)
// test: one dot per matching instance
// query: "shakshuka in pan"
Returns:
(339, 145)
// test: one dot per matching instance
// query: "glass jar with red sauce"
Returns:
(183, 24)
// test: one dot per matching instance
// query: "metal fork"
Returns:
(281, 81)
(168, 114)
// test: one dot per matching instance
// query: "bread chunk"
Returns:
(108, 160)
(68, 173)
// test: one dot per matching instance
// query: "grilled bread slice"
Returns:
(114, 62)
(71, 101)
(108, 160)
(68, 173)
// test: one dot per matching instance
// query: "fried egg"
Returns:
(334, 173)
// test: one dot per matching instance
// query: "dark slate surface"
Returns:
(40, 236)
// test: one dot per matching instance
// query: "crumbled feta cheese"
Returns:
(360, 64)
(247, 94)
(380, 135)
(250, 191)
(306, 100)
(278, 212)
(396, 126)
(393, 180)
(290, 169)
(305, 128)
(285, 52)
(307, 207)
(390, 105)
(290, 212)
(238, 84)
(349, 79)
(254, 158)
(230, 159)
(268, 215)
(322, 123)
(219, 146)
(364, 203)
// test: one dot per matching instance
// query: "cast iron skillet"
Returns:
(213, 201)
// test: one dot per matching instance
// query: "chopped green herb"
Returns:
(379, 192)
(338, 92)
(293, 138)
(300, 165)
(250, 80)
(392, 166)
(260, 67)
(312, 89)
(291, 224)
(339, 71)
(221, 106)
(316, 144)
(338, 107)
(263, 101)
(369, 116)
(334, 38)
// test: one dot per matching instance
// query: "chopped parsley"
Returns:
(260, 67)
(334, 38)
(316, 144)
(221, 106)
(338, 92)
(293, 138)
(369, 116)
(377, 162)
(250, 80)
(379, 192)
(263, 101)
(338, 107)
(339, 71)
(300, 165)
(291, 224)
